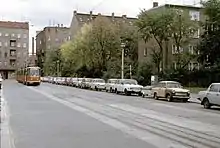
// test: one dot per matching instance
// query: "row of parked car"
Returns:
(169, 90)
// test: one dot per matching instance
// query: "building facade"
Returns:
(14, 44)
(169, 58)
(49, 39)
(79, 19)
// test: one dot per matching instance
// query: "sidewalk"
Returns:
(194, 98)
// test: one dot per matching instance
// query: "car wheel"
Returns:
(111, 90)
(96, 88)
(143, 95)
(140, 94)
(169, 98)
(116, 91)
(185, 100)
(206, 104)
(126, 92)
(155, 96)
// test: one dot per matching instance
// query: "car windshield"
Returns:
(174, 85)
(112, 81)
(100, 81)
(130, 82)
(34, 72)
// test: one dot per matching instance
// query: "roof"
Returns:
(85, 17)
(14, 25)
(168, 82)
(174, 5)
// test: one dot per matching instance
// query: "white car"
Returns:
(78, 82)
(128, 86)
(98, 84)
(110, 85)
(211, 96)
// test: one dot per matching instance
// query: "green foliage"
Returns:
(96, 51)
(144, 74)
(209, 46)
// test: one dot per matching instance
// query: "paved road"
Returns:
(51, 116)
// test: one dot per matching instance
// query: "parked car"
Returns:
(98, 84)
(147, 91)
(110, 85)
(78, 82)
(128, 87)
(73, 82)
(210, 97)
(67, 81)
(170, 90)
(86, 82)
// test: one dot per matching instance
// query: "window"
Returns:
(24, 45)
(19, 36)
(0, 63)
(6, 44)
(191, 49)
(194, 15)
(6, 54)
(5, 63)
(6, 34)
(0, 44)
(25, 36)
(174, 65)
(12, 43)
(57, 40)
(175, 50)
(12, 34)
(145, 52)
(40, 42)
(18, 44)
(49, 38)
(69, 38)
(214, 88)
(0, 34)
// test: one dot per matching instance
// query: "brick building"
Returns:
(79, 19)
(14, 44)
(145, 50)
(50, 38)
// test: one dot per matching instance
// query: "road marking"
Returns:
(139, 134)
(183, 122)
(188, 110)
(7, 140)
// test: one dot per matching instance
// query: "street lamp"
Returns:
(122, 59)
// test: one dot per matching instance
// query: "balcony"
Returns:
(13, 44)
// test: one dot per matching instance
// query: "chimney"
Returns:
(155, 4)
(113, 15)
(75, 12)
(32, 46)
(90, 15)
(124, 16)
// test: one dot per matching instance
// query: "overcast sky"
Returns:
(41, 13)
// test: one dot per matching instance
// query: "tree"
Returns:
(155, 25)
(209, 46)
(183, 30)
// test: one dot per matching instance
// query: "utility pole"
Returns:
(122, 60)
(130, 72)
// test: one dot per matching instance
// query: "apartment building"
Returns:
(50, 38)
(79, 19)
(169, 58)
(14, 44)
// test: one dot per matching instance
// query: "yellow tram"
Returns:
(29, 76)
